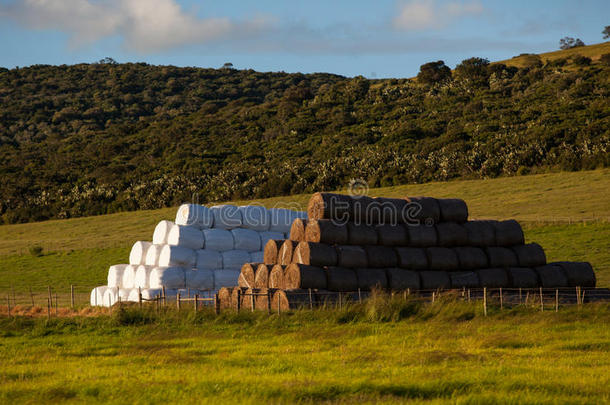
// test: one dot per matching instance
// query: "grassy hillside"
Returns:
(590, 51)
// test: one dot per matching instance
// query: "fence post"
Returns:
(164, 297)
(32, 297)
(268, 302)
(8, 302)
(140, 297)
(310, 299)
(469, 295)
(72, 296)
(216, 304)
(433, 297)
(50, 296)
(252, 300)
(196, 303)
(556, 300)
(238, 303)
(178, 301)
(56, 304)
(541, 301)
(501, 299)
(48, 308)
(520, 298)
(485, 300)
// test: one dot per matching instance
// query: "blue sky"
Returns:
(385, 38)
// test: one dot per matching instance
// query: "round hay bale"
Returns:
(421, 235)
(551, 276)
(508, 233)
(480, 233)
(226, 216)
(208, 259)
(464, 279)
(142, 276)
(249, 299)
(247, 275)
(381, 256)
(196, 215)
(225, 278)
(453, 210)
(168, 277)
(392, 235)
(272, 250)
(401, 279)
(341, 279)
(579, 274)
(442, 259)
(361, 234)
(276, 277)
(246, 239)
(330, 206)
(297, 230)
(115, 275)
(286, 300)
(199, 279)
(493, 278)
(315, 254)
(261, 278)
(351, 256)
(286, 252)
(471, 258)
(255, 217)
(530, 255)
(522, 277)
(364, 210)
(371, 278)
(176, 256)
(325, 231)
(304, 276)
(138, 252)
(263, 299)
(501, 257)
(234, 259)
(129, 276)
(451, 234)
(225, 298)
(433, 280)
(186, 236)
(393, 210)
(235, 293)
(153, 253)
(423, 209)
(161, 231)
(412, 258)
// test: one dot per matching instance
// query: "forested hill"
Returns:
(96, 138)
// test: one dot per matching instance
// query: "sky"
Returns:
(375, 39)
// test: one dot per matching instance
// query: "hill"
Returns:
(100, 138)
(594, 52)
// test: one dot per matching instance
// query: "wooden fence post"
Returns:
(32, 297)
(520, 297)
(238, 303)
(252, 300)
(310, 299)
(268, 302)
(469, 295)
(48, 308)
(501, 300)
(56, 304)
(196, 302)
(433, 297)
(216, 304)
(50, 296)
(72, 296)
(140, 297)
(485, 300)
(556, 300)
(541, 301)
(279, 309)
(8, 304)
(164, 297)
(178, 301)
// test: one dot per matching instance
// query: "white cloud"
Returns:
(416, 15)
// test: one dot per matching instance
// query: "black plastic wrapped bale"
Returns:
(522, 277)
(453, 210)
(393, 210)
(432, 280)
(451, 234)
(304, 276)
(423, 209)
(579, 274)
(493, 278)
(369, 278)
(501, 257)
(361, 234)
(552, 276)
(341, 279)
(441, 258)
(530, 255)
(471, 258)
(480, 233)
(412, 258)
(326, 231)
(392, 235)
(315, 254)
(351, 256)
(381, 256)
(464, 279)
(330, 206)
(508, 233)
(421, 235)
(402, 279)
(290, 299)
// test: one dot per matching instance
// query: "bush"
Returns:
(580, 60)
(605, 59)
(433, 72)
(36, 250)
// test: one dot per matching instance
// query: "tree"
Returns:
(108, 60)
(475, 69)
(569, 43)
(434, 72)
(227, 65)
(605, 59)
(606, 32)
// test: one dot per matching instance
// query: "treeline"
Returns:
(97, 138)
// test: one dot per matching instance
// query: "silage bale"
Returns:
(392, 235)
(115, 275)
(168, 277)
(530, 255)
(381, 256)
(208, 259)
(369, 278)
(176, 256)
(330, 206)
(272, 251)
(152, 255)
(442, 258)
(225, 298)
(412, 258)
(196, 215)
(471, 258)
(281, 219)
(480, 233)
(262, 301)
(325, 231)
(129, 276)
(361, 234)
(142, 276)
(522, 277)
(364, 210)
(464, 279)
(276, 277)
(286, 300)
(261, 278)
(453, 210)
(257, 257)
(134, 295)
(138, 252)
(297, 230)
(493, 278)
(392, 210)
(123, 294)
(341, 279)
(402, 279)
(234, 259)
(433, 280)
(96, 299)
(451, 234)
(579, 274)
(255, 217)
(161, 231)
(315, 254)
(551, 276)
(225, 278)
(421, 235)
(110, 297)
(199, 279)
(149, 294)
(351, 256)
(426, 210)
(246, 239)
(508, 233)
(304, 276)
(268, 235)
(247, 275)
(226, 216)
(218, 239)
(186, 236)
(235, 293)
(286, 252)
(501, 257)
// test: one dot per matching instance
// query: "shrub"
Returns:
(580, 60)
(36, 250)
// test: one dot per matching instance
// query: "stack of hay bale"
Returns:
(420, 243)
(201, 252)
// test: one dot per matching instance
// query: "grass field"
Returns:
(591, 51)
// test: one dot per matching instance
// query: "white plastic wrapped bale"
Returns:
(225, 278)
(115, 275)
(168, 277)
(226, 216)
(234, 259)
(246, 239)
(110, 297)
(149, 294)
(218, 239)
(176, 256)
(152, 255)
(255, 217)
(161, 231)
(129, 276)
(123, 294)
(208, 259)
(138, 252)
(187, 236)
(281, 219)
(266, 236)
(257, 257)
(196, 215)
(200, 279)
(134, 295)
(97, 296)
(142, 276)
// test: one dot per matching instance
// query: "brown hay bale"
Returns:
(579, 274)
(453, 210)
(304, 276)
(290, 299)
(451, 234)
(276, 277)
(234, 293)
(421, 235)
(391, 210)
(370, 278)
(326, 231)
(480, 233)
(247, 275)
(248, 299)
(392, 235)
(441, 258)
(315, 254)
(423, 209)
(361, 234)
(297, 230)
(261, 279)
(530, 255)
(225, 297)
(271, 251)
(432, 280)
(493, 278)
(262, 301)
(286, 252)
(552, 276)
(501, 257)
(401, 279)
(341, 279)
(464, 279)
(412, 258)
(381, 256)
(330, 206)
(471, 258)
(522, 277)
(351, 256)
(508, 233)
